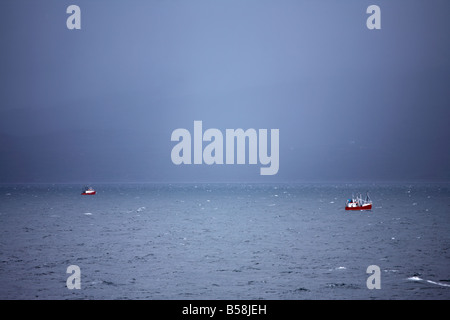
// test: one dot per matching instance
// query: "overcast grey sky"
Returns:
(99, 104)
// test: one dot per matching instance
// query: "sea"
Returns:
(224, 241)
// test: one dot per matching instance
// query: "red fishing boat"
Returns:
(359, 203)
(88, 191)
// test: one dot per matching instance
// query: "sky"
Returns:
(99, 104)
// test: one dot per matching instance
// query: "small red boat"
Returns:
(88, 191)
(358, 203)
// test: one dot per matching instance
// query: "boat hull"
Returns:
(364, 207)
(88, 193)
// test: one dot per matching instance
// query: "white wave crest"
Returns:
(415, 278)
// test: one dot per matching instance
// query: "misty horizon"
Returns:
(99, 104)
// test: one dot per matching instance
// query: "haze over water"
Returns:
(98, 105)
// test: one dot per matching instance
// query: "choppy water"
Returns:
(213, 241)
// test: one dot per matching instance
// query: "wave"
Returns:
(415, 278)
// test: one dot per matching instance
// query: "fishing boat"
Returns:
(88, 191)
(358, 203)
